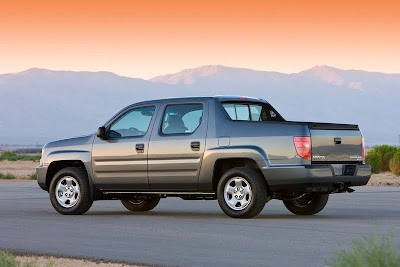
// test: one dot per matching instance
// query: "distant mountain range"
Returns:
(38, 105)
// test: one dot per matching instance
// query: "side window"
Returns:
(251, 112)
(259, 113)
(242, 112)
(180, 119)
(237, 112)
(230, 109)
(255, 112)
(133, 124)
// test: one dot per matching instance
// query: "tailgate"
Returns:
(336, 145)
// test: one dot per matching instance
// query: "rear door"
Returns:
(177, 146)
(120, 163)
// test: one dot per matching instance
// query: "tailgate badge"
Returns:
(318, 157)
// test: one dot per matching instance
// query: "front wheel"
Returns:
(242, 193)
(308, 204)
(140, 204)
(69, 191)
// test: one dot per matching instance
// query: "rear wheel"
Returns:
(308, 204)
(69, 191)
(242, 193)
(140, 204)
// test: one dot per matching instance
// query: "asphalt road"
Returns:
(193, 233)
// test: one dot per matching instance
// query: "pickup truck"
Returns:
(238, 150)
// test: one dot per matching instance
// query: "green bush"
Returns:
(374, 159)
(394, 164)
(380, 157)
(14, 156)
(387, 153)
(33, 176)
(7, 176)
(8, 260)
(370, 251)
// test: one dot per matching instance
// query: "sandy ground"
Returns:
(384, 179)
(67, 262)
(22, 170)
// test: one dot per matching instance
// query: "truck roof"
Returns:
(221, 98)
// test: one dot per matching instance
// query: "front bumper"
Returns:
(313, 178)
(41, 172)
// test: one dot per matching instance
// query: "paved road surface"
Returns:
(193, 233)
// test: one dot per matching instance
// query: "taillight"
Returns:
(303, 146)
(363, 148)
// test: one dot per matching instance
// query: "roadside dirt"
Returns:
(67, 262)
(22, 170)
(384, 179)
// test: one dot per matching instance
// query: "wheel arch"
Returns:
(222, 165)
(56, 166)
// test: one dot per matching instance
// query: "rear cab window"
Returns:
(249, 111)
(182, 118)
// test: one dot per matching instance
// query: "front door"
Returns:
(177, 146)
(120, 162)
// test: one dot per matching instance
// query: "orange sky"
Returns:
(148, 38)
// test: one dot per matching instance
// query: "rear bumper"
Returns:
(313, 178)
(41, 172)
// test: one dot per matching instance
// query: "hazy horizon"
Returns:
(192, 68)
(150, 38)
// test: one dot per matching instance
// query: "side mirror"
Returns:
(101, 133)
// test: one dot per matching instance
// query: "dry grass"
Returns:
(11, 156)
(67, 262)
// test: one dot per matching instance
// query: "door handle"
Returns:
(139, 148)
(337, 140)
(195, 145)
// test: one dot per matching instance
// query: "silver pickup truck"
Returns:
(238, 150)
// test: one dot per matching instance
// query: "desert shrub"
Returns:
(33, 176)
(7, 176)
(387, 153)
(371, 251)
(8, 260)
(14, 156)
(374, 159)
(394, 164)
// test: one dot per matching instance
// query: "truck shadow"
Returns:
(220, 215)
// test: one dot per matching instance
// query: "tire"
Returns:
(70, 192)
(140, 205)
(242, 185)
(309, 204)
